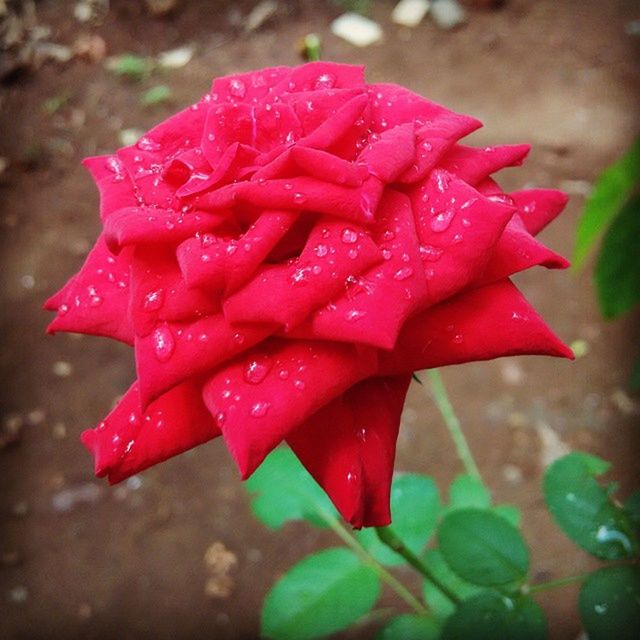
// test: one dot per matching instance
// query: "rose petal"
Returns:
(218, 264)
(539, 207)
(286, 293)
(149, 225)
(473, 165)
(174, 352)
(349, 447)
(159, 292)
(479, 324)
(295, 379)
(129, 440)
(114, 184)
(96, 300)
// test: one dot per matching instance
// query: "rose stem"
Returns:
(367, 558)
(388, 537)
(453, 424)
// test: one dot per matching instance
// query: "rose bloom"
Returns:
(283, 254)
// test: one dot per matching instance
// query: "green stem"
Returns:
(552, 584)
(366, 557)
(453, 424)
(312, 47)
(388, 537)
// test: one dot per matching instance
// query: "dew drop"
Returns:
(403, 274)
(457, 339)
(259, 409)
(299, 385)
(163, 343)
(321, 250)
(299, 198)
(457, 239)
(326, 81)
(441, 221)
(153, 300)
(430, 253)
(62, 309)
(257, 369)
(386, 254)
(354, 314)
(283, 374)
(349, 236)
(220, 418)
(95, 301)
(316, 269)
(237, 88)
(146, 144)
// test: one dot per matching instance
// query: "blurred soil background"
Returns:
(174, 552)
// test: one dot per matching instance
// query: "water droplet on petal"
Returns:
(237, 88)
(441, 221)
(349, 236)
(457, 239)
(403, 274)
(430, 253)
(299, 385)
(220, 418)
(62, 309)
(153, 300)
(321, 250)
(325, 81)
(299, 198)
(259, 409)
(257, 369)
(146, 144)
(163, 343)
(283, 374)
(354, 314)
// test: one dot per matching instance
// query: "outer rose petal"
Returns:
(261, 397)
(349, 448)
(479, 324)
(114, 184)
(474, 165)
(129, 440)
(96, 300)
(175, 352)
(538, 207)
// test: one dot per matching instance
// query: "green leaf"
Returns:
(156, 95)
(483, 548)
(467, 491)
(510, 513)
(490, 616)
(415, 509)
(409, 627)
(610, 603)
(617, 273)
(130, 66)
(438, 603)
(610, 192)
(285, 491)
(583, 509)
(322, 594)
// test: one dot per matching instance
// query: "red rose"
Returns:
(283, 254)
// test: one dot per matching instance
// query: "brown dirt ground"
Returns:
(129, 563)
